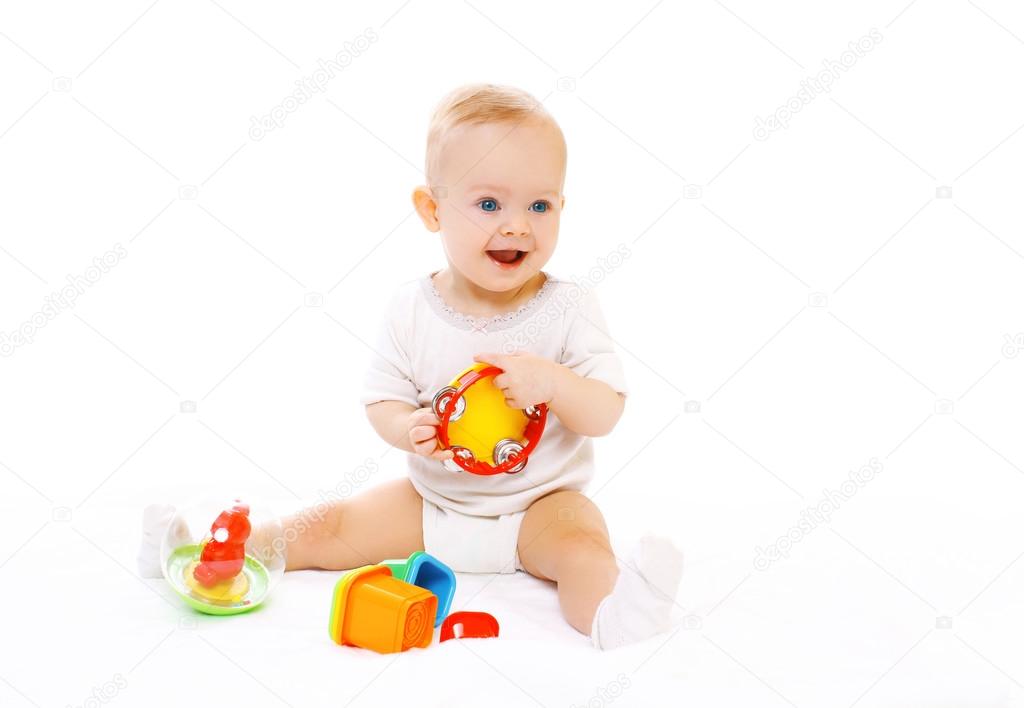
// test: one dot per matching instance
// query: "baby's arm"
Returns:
(586, 406)
(389, 418)
(407, 427)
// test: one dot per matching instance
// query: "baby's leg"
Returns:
(563, 538)
(385, 521)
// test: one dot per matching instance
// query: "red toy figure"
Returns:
(224, 554)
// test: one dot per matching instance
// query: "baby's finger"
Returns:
(425, 448)
(422, 433)
(427, 417)
(442, 454)
(420, 415)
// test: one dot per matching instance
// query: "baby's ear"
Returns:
(426, 206)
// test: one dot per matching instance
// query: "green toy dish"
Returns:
(256, 573)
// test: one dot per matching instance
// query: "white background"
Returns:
(848, 288)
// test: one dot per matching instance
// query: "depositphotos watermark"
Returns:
(105, 693)
(350, 482)
(61, 300)
(604, 695)
(1013, 344)
(521, 337)
(813, 516)
(316, 82)
(814, 86)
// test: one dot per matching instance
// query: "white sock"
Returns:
(640, 604)
(155, 520)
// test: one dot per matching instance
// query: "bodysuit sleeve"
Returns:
(588, 348)
(389, 374)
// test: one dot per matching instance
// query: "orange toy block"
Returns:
(374, 610)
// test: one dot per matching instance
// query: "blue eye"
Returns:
(540, 207)
(488, 205)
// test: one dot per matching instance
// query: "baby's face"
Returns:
(499, 217)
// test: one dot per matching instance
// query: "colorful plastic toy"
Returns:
(427, 572)
(227, 570)
(486, 435)
(373, 610)
(224, 554)
(470, 625)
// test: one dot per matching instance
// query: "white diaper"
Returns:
(472, 544)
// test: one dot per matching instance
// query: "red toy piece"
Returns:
(224, 554)
(475, 625)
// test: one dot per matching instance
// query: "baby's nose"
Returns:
(516, 227)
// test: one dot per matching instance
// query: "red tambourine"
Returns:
(510, 455)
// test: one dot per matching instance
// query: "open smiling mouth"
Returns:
(506, 259)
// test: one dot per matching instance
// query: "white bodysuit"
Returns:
(424, 343)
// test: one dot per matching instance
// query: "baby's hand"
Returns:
(423, 435)
(527, 379)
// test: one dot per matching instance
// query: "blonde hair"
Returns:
(474, 104)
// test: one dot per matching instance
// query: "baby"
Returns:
(495, 169)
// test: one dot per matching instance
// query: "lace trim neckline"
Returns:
(484, 324)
